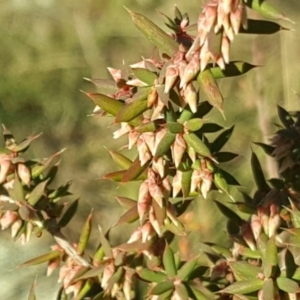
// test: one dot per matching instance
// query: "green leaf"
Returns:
(134, 171)
(261, 27)
(69, 214)
(285, 117)
(211, 90)
(234, 68)
(169, 262)
(229, 178)
(221, 184)
(174, 127)
(37, 193)
(266, 9)
(222, 157)
(31, 295)
(131, 215)
(157, 36)
(194, 142)
(162, 287)
(108, 104)
(181, 291)
(85, 235)
(244, 287)
(268, 290)
(131, 111)
(105, 243)
(267, 148)
(148, 127)
(270, 258)
(145, 75)
(151, 276)
(287, 285)
(41, 259)
(221, 140)
(85, 289)
(229, 214)
(258, 174)
(26, 143)
(121, 160)
(242, 270)
(188, 267)
(193, 124)
(126, 202)
(107, 86)
(165, 144)
(210, 128)
(198, 295)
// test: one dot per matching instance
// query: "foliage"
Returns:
(157, 104)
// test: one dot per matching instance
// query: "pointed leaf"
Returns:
(194, 142)
(31, 295)
(131, 111)
(210, 128)
(266, 9)
(211, 90)
(242, 270)
(182, 292)
(285, 117)
(85, 289)
(193, 124)
(105, 244)
(121, 160)
(258, 174)
(187, 268)
(222, 157)
(169, 262)
(267, 148)
(134, 171)
(23, 146)
(234, 68)
(37, 193)
(162, 287)
(228, 213)
(131, 215)
(85, 235)
(151, 276)
(270, 258)
(41, 259)
(165, 144)
(221, 140)
(261, 27)
(126, 202)
(145, 75)
(108, 104)
(157, 36)
(244, 287)
(107, 86)
(69, 214)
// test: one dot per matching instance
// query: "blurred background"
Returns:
(48, 46)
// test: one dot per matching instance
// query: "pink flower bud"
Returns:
(15, 227)
(195, 180)
(171, 76)
(177, 183)
(74, 288)
(128, 284)
(53, 264)
(108, 271)
(156, 193)
(191, 70)
(154, 221)
(8, 218)
(191, 97)
(256, 226)
(5, 164)
(149, 138)
(125, 128)
(158, 166)
(157, 111)
(159, 136)
(225, 47)
(143, 151)
(247, 235)
(24, 173)
(132, 138)
(135, 236)
(210, 11)
(116, 74)
(147, 232)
